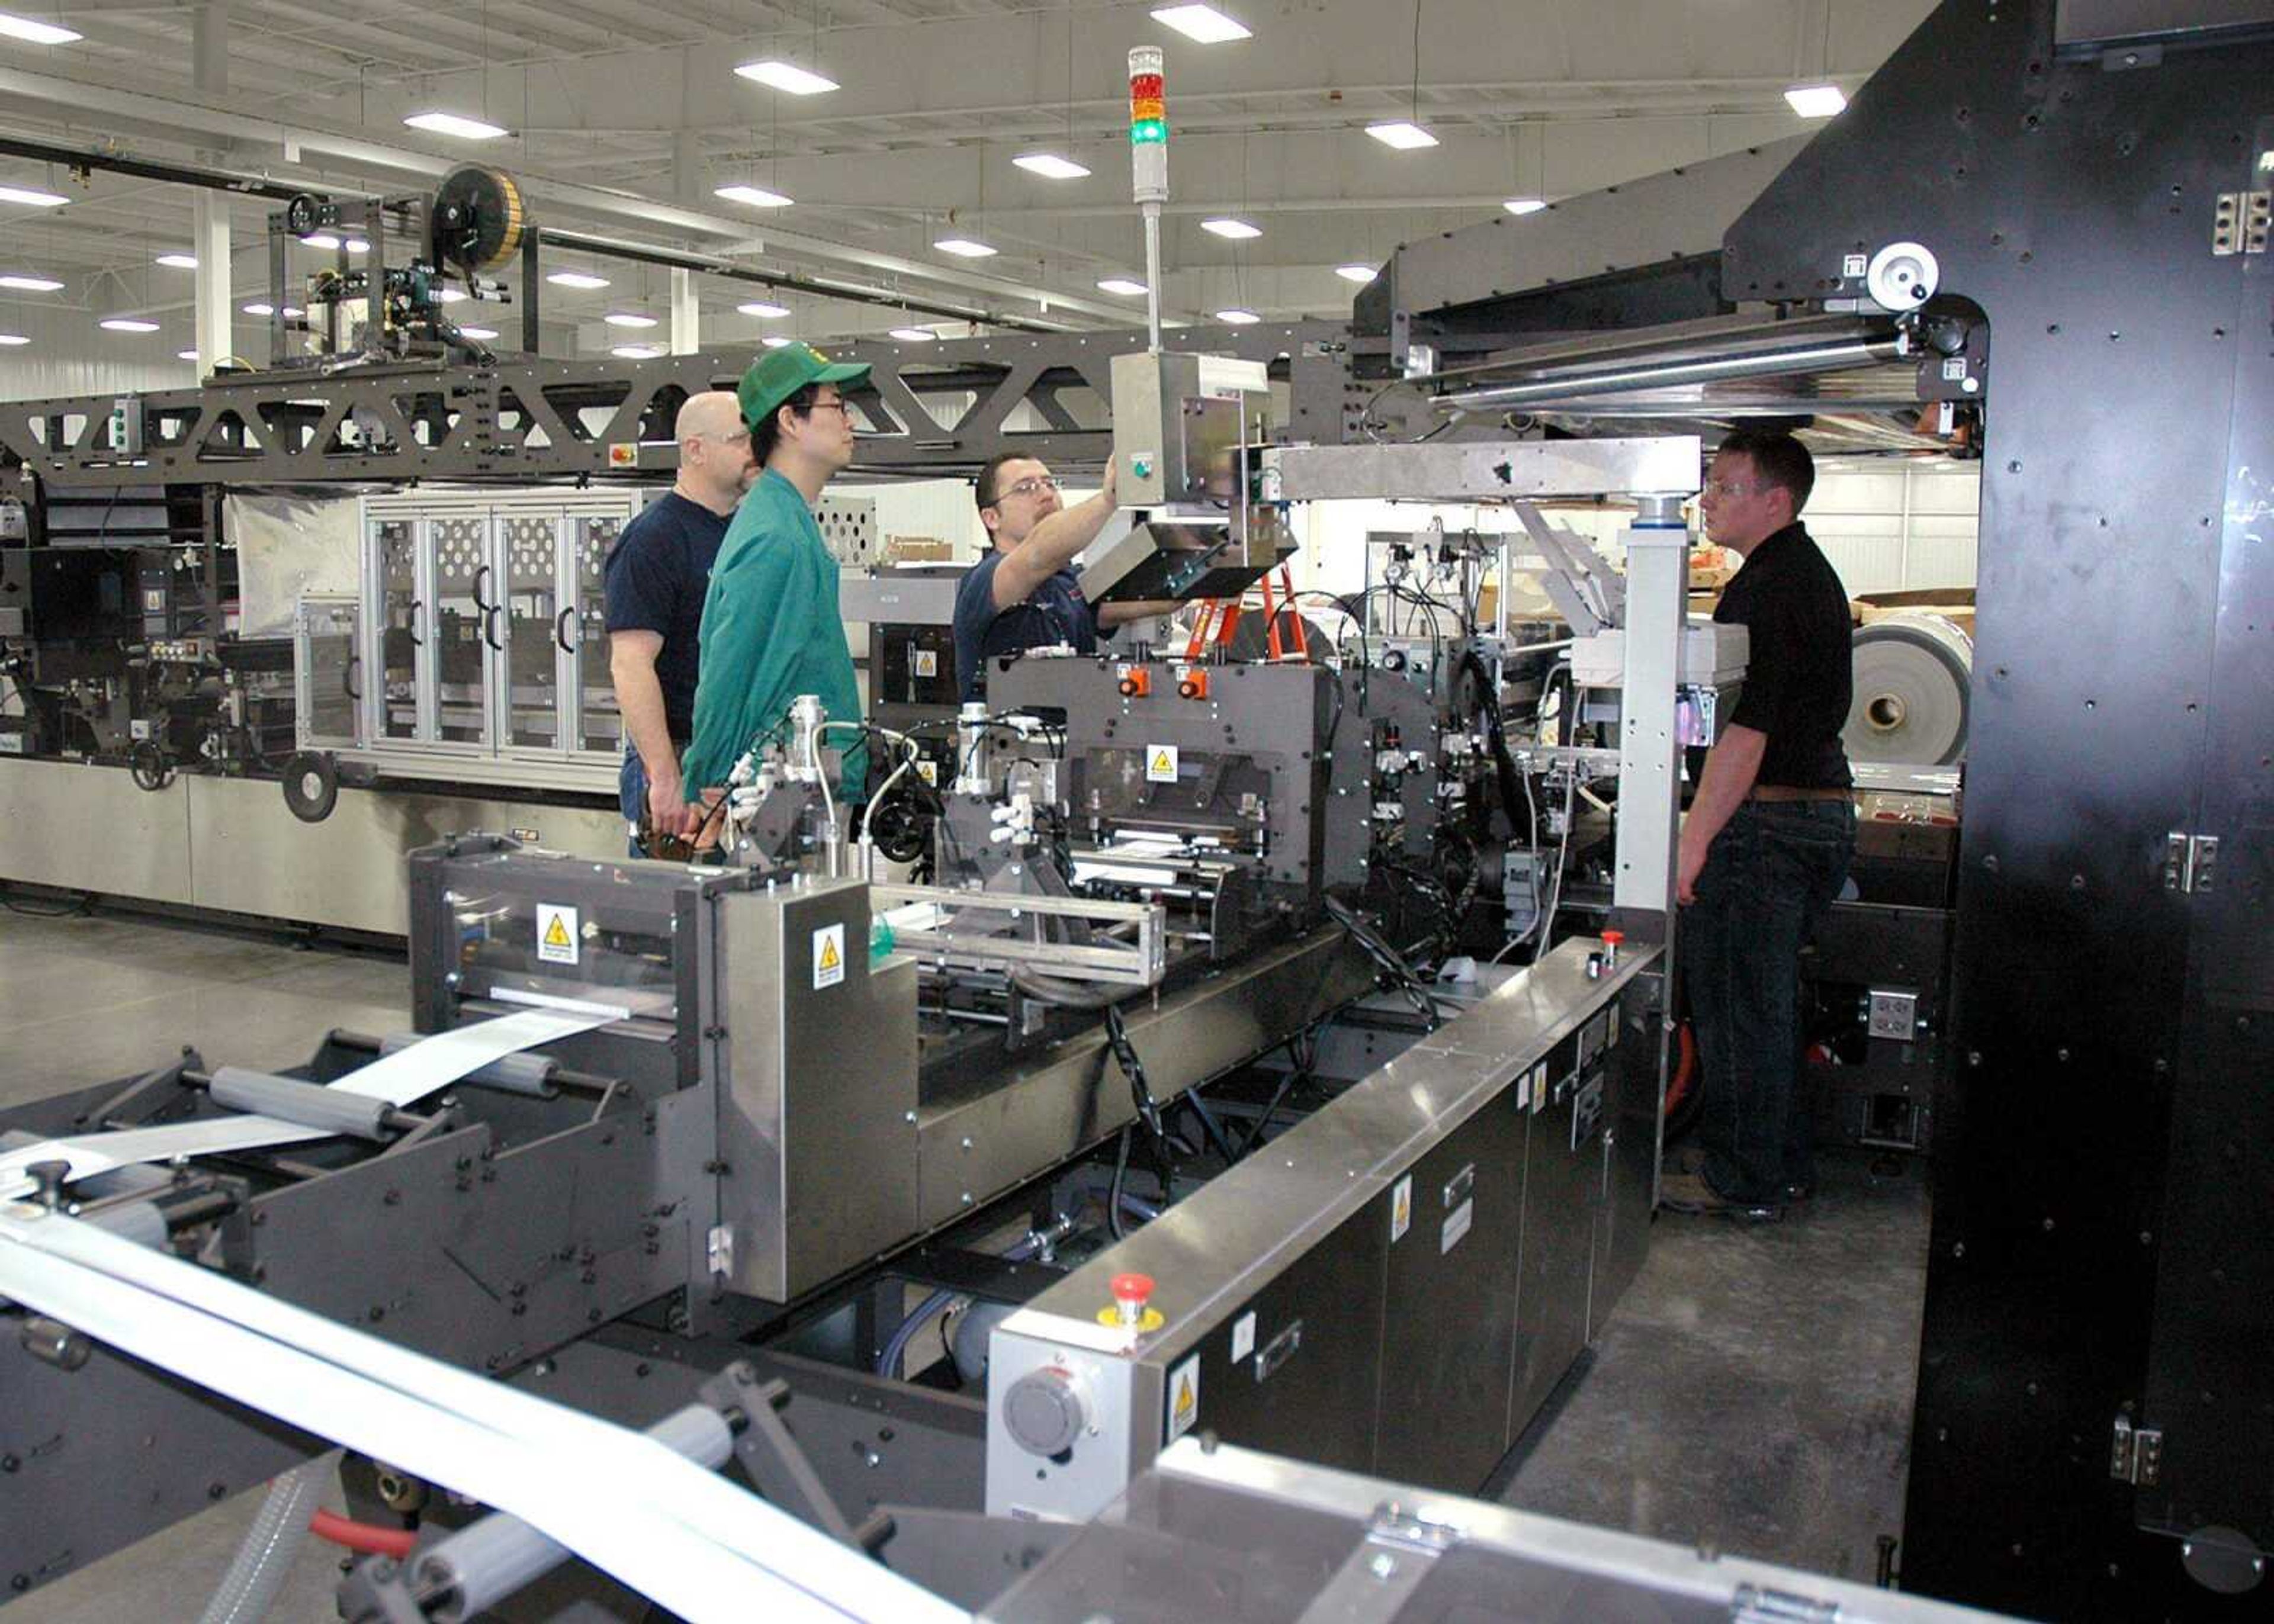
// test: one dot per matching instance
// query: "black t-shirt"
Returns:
(656, 578)
(1054, 613)
(1799, 673)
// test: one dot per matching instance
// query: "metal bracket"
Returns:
(2135, 1453)
(721, 1249)
(1892, 1013)
(2190, 861)
(1754, 1603)
(2240, 221)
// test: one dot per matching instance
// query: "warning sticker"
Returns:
(1243, 1337)
(829, 956)
(1456, 1225)
(1401, 1209)
(1160, 763)
(927, 662)
(1183, 1398)
(928, 770)
(557, 941)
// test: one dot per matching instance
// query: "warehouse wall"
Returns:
(70, 354)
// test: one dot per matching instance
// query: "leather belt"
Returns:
(1789, 792)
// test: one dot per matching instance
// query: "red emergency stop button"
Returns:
(1611, 941)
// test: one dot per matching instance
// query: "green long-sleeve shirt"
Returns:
(771, 631)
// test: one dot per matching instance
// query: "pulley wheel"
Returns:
(477, 219)
(311, 786)
(1913, 675)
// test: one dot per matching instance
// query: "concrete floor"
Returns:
(1752, 1390)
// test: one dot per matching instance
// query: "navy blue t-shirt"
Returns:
(1054, 613)
(657, 576)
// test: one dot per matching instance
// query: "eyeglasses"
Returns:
(1034, 485)
(1722, 487)
(833, 406)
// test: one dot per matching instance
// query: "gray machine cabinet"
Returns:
(816, 1110)
(1457, 1263)
(1562, 1181)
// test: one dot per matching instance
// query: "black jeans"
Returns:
(1770, 876)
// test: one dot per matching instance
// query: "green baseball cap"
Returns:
(779, 373)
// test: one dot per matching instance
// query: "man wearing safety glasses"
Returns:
(1025, 593)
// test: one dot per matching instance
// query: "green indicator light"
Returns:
(1148, 133)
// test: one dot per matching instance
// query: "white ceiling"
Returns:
(615, 107)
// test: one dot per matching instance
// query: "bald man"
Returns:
(656, 578)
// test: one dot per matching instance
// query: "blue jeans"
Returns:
(1769, 879)
(631, 798)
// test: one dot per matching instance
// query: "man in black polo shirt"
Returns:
(1765, 846)
(1025, 593)
(657, 576)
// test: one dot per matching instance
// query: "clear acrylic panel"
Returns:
(599, 726)
(466, 611)
(398, 628)
(330, 658)
(534, 630)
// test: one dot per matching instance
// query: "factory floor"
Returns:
(1752, 1392)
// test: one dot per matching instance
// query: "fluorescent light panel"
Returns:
(1816, 100)
(1050, 166)
(756, 196)
(963, 247)
(914, 335)
(1524, 206)
(13, 338)
(478, 332)
(636, 352)
(36, 33)
(1238, 318)
(453, 124)
(329, 244)
(1123, 285)
(1204, 24)
(1355, 273)
(1237, 230)
(777, 342)
(32, 198)
(628, 319)
(786, 75)
(185, 355)
(128, 324)
(179, 261)
(577, 279)
(32, 284)
(1401, 134)
(762, 310)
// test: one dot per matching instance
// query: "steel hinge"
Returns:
(2190, 861)
(2240, 221)
(2135, 1453)
(722, 1249)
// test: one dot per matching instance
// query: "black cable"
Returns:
(1113, 1189)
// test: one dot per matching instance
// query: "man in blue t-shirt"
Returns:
(657, 576)
(1025, 593)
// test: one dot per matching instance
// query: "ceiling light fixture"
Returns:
(452, 123)
(636, 352)
(293, 312)
(179, 261)
(13, 338)
(1122, 285)
(32, 198)
(482, 332)
(449, 296)
(37, 33)
(628, 319)
(1816, 100)
(762, 310)
(1237, 230)
(775, 341)
(1238, 318)
(1355, 273)
(1402, 134)
(1524, 206)
(577, 279)
(185, 355)
(756, 196)
(32, 284)
(1202, 23)
(258, 309)
(127, 324)
(963, 247)
(786, 75)
(1050, 166)
(327, 243)
(914, 335)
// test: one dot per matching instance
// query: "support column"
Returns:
(209, 220)
(686, 313)
(1650, 753)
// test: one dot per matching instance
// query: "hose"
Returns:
(367, 1538)
(265, 1559)
(889, 1361)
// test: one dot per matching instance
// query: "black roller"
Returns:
(311, 785)
(477, 219)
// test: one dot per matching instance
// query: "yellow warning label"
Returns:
(1183, 1397)
(557, 935)
(557, 941)
(1160, 763)
(829, 958)
(1188, 1400)
(1401, 1208)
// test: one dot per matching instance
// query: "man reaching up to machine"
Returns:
(1025, 593)
(770, 626)
(1765, 847)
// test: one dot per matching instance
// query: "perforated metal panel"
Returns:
(848, 526)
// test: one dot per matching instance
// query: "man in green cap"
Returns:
(770, 626)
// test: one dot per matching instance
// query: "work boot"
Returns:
(1690, 1192)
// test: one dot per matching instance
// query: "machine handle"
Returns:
(489, 628)
(347, 678)
(416, 641)
(561, 630)
(481, 604)
(1278, 1350)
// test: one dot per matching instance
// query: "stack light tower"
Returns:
(1148, 163)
